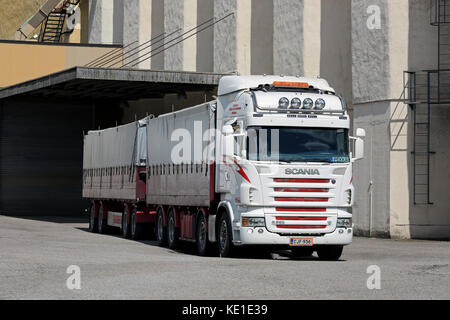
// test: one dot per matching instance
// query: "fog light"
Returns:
(260, 230)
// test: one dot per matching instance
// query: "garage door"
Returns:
(41, 157)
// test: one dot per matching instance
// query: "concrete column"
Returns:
(157, 28)
(372, 111)
(173, 19)
(101, 21)
(205, 39)
(311, 38)
(262, 50)
(232, 42)
(190, 45)
(288, 37)
(137, 31)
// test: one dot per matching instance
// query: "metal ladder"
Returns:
(52, 27)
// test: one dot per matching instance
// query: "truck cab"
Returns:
(284, 161)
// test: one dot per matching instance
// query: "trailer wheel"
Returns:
(173, 233)
(160, 230)
(330, 253)
(225, 236)
(137, 229)
(102, 222)
(203, 244)
(126, 230)
(93, 221)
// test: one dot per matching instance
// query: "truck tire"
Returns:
(137, 229)
(160, 229)
(301, 252)
(126, 228)
(203, 244)
(102, 222)
(93, 221)
(225, 236)
(329, 253)
(173, 233)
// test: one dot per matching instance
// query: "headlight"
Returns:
(296, 103)
(308, 103)
(283, 103)
(320, 104)
(253, 222)
(344, 223)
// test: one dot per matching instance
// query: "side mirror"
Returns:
(228, 141)
(360, 133)
(359, 149)
(359, 144)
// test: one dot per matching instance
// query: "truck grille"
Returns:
(308, 193)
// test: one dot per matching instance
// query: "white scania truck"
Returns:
(267, 163)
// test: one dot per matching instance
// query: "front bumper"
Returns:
(253, 236)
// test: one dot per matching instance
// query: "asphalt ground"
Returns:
(36, 255)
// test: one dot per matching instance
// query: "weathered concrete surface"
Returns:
(371, 175)
(225, 37)
(370, 53)
(174, 19)
(101, 21)
(262, 37)
(36, 254)
(288, 37)
(335, 46)
(157, 28)
(205, 39)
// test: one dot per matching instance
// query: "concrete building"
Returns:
(362, 47)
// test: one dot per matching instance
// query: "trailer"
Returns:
(268, 162)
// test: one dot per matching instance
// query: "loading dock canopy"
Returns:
(103, 83)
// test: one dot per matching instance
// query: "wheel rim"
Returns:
(202, 234)
(223, 234)
(160, 227)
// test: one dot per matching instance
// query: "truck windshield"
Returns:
(285, 144)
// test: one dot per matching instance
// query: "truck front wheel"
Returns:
(330, 253)
(203, 244)
(225, 236)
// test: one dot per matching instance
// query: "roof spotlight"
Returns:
(283, 103)
(296, 103)
(308, 103)
(320, 104)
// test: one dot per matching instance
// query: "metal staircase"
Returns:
(52, 28)
(424, 89)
